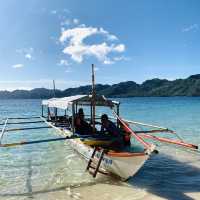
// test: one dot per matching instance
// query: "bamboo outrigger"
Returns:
(94, 147)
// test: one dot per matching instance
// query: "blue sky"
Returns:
(126, 40)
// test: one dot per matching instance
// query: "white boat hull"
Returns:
(122, 166)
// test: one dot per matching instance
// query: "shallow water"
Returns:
(54, 171)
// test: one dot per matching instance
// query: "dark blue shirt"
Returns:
(112, 129)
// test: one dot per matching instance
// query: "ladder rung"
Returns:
(101, 171)
(95, 163)
(98, 164)
(90, 160)
(95, 160)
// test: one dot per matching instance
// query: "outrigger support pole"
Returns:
(25, 128)
(31, 117)
(166, 140)
(23, 122)
(35, 141)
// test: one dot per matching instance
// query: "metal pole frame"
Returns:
(55, 113)
(91, 113)
(42, 111)
(76, 108)
(48, 113)
(65, 114)
(73, 118)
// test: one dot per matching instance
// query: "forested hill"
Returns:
(154, 87)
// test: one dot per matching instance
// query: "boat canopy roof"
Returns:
(65, 102)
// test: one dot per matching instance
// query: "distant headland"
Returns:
(149, 88)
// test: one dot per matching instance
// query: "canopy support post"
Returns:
(48, 113)
(118, 115)
(76, 108)
(73, 118)
(91, 113)
(42, 111)
(56, 113)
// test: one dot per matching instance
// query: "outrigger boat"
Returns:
(122, 163)
(94, 147)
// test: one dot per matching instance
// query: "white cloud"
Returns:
(66, 22)
(28, 56)
(120, 48)
(63, 62)
(76, 35)
(121, 58)
(77, 49)
(193, 27)
(108, 62)
(17, 66)
(27, 52)
(75, 21)
(108, 35)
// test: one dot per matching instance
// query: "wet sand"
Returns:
(100, 191)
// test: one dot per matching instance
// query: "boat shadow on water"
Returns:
(169, 178)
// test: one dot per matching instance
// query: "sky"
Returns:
(129, 40)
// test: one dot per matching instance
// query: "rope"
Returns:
(178, 136)
(145, 144)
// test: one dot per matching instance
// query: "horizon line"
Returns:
(86, 84)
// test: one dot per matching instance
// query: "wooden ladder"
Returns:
(95, 163)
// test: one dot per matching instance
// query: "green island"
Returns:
(149, 88)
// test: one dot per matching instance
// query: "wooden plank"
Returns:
(3, 130)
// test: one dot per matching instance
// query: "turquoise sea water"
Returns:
(54, 171)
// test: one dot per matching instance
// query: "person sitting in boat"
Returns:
(126, 133)
(81, 126)
(110, 129)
